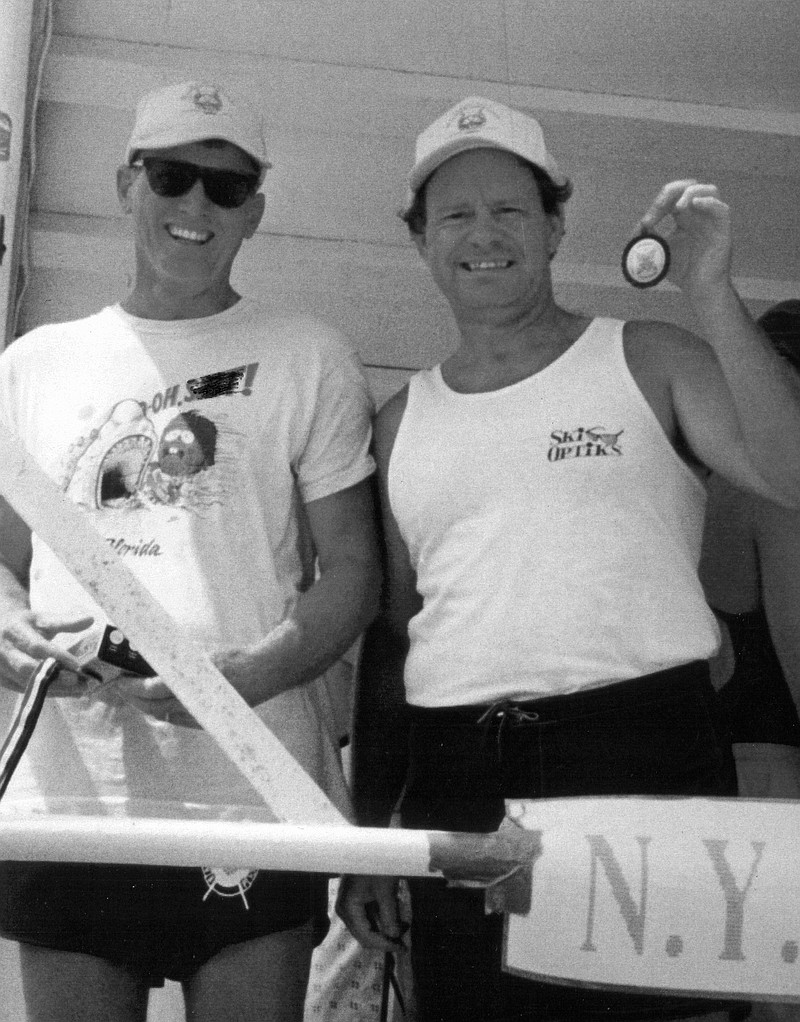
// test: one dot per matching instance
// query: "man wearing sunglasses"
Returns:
(223, 453)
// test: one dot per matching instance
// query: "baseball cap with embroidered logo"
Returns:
(194, 112)
(478, 123)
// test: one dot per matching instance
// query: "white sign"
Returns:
(674, 894)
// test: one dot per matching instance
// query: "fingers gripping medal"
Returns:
(645, 261)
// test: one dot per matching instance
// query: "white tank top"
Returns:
(554, 531)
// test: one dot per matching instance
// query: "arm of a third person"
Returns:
(778, 541)
(368, 904)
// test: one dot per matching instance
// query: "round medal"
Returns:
(645, 261)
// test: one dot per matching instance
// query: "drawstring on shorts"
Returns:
(503, 713)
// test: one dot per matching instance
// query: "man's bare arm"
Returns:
(368, 905)
(758, 387)
(318, 627)
(25, 637)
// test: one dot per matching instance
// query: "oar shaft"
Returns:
(255, 845)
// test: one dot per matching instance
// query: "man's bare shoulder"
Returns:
(656, 350)
(662, 357)
(657, 344)
(657, 339)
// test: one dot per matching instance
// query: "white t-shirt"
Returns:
(193, 445)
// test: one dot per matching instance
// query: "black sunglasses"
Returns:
(171, 178)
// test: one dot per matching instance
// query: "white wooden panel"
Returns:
(731, 53)
(442, 37)
(736, 53)
(447, 37)
(138, 21)
(341, 157)
(349, 188)
(119, 71)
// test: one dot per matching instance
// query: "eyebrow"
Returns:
(514, 199)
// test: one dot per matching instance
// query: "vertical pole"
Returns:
(15, 53)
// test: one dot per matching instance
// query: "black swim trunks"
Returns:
(159, 921)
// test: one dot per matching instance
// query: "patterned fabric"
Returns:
(352, 984)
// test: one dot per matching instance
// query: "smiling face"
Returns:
(487, 241)
(186, 245)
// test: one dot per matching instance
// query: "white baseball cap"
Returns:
(478, 123)
(193, 112)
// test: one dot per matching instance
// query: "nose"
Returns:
(195, 199)
(483, 227)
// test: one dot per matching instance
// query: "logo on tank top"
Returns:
(584, 442)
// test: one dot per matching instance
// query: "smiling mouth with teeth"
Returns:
(184, 234)
(502, 264)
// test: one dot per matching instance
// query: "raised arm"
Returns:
(755, 383)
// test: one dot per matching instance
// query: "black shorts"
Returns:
(662, 734)
(158, 921)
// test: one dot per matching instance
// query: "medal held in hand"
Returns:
(645, 261)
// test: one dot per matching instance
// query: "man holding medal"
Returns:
(544, 632)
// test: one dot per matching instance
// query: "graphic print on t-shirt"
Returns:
(158, 452)
(166, 453)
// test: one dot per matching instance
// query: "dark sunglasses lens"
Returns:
(168, 178)
(226, 188)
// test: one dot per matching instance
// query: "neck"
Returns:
(168, 303)
(498, 352)
(500, 335)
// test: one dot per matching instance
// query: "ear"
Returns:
(255, 211)
(557, 230)
(125, 179)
